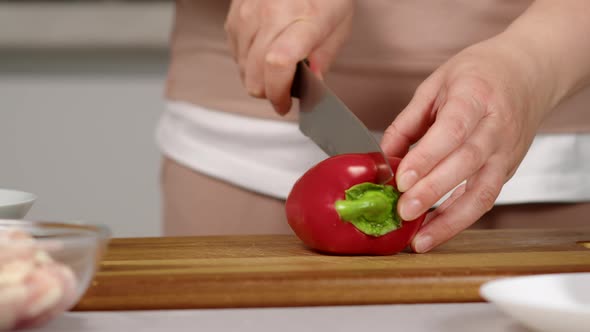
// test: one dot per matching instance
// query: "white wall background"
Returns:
(81, 86)
(77, 129)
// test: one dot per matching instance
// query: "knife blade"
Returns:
(326, 120)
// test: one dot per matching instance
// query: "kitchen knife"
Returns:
(326, 120)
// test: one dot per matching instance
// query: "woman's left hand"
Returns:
(472, 120)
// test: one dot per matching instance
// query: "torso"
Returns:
(394, 46)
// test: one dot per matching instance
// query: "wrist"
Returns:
(551, 33)
(543, 86)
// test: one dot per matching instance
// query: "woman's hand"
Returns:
(473, 119)
(269, 37)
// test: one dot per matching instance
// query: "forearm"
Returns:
(556, 36)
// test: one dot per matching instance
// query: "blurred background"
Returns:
(81, 85)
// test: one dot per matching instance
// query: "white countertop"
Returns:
(468, 317)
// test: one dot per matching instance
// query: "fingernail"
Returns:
(407, 180)
(255, 92)
(276, 59)
(423, 243)
(411, 209)
(282, 111)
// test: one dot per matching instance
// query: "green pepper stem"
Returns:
(371, 204)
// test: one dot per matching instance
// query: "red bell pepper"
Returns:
(336, 207)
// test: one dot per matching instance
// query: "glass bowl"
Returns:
(33, 279)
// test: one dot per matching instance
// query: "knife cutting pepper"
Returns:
(337, 207)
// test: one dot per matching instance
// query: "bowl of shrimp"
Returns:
(45, 268)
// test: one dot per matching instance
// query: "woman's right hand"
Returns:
(269, 37)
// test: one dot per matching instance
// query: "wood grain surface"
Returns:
(264, 271)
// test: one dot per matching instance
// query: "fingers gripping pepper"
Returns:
(337, 207)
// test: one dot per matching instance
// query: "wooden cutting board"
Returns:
(262, 271)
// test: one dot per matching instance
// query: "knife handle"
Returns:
(296, 84)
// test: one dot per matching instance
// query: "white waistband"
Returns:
(268, 156)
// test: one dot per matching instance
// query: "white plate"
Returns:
(547, 303)
(15, 204)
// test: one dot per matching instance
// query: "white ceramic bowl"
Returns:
(15, 204)
(547, 303)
